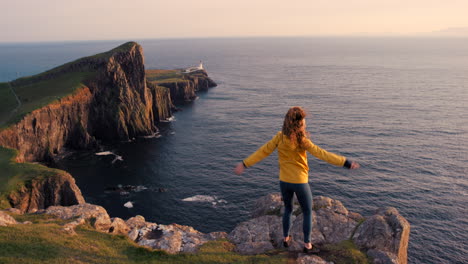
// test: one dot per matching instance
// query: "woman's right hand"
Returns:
(239, 169)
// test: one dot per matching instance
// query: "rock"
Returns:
(331, 224)
(95, 214)
(118, 226)
(172, 238)
(257, 235)
(6, 219)
(217, 235)
(270, 204)
(39, 193)
(310, 259)
(382, 257)
(384, 235)
(27, 223)
(334, 223)
(69, 228)
(386, 231)
(14, 211)
(136, 222)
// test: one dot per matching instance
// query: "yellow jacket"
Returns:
(293, 163)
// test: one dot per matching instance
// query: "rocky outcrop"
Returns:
(200, 80)
(163, 105)
(180, 91)
(96, 215)
(171, 238)
(42, 192)
(184, 89)
(384, 236)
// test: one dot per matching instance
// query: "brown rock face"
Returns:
(122, 105)
(44, 132)
(41, 193)
(385, 234)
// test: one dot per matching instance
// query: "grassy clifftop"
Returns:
(45, 242)
(44, 88)
(13, 175)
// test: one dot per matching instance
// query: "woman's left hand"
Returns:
(354, 165)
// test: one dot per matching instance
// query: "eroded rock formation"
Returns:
(42, 192)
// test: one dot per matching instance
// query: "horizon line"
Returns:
(363, 35)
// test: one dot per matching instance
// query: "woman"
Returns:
(292, 143)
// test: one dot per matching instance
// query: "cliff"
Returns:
(31, 187)
(101, 98)
(182, 86)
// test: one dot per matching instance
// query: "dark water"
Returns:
(398, 106)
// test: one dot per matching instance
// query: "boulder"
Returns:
(95, 214)
(118, 226)
(269, 204)
(173, 238)
(385, 231)
(257, 235)
(6, 219)
(310, 259)
(136, 222)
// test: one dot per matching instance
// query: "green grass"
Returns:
(39, 94)
(164, 76)
(14, 175)
(8, 104)
(344, 252)
(44, 242)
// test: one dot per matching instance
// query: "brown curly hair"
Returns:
(293, 127)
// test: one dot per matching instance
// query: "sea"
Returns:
(398, 106)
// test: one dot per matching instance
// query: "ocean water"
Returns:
(398, 106)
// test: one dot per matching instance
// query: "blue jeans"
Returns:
(304, 195)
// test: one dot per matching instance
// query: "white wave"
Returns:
(172, 133)
(128, 204)
(200, 198)
(105, 153)
(140, 188)
(205, 199)
(117, 157)
(154, 135)
(169, 119)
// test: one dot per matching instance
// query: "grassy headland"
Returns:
(164, 76)
(14, 175)
(45, 242)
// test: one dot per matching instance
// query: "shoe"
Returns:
(287, 243)
(313, 250)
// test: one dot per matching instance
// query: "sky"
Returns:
(66, 20)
